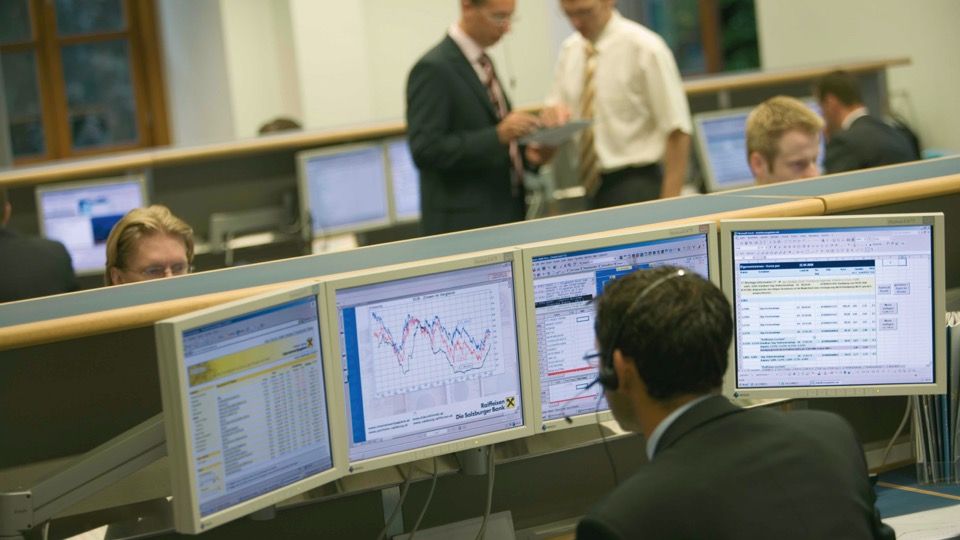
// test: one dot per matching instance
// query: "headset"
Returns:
(607, 376)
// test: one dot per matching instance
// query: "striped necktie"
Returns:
(589, 167)
(495, 92)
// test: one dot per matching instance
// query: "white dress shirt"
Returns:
(639, 95)
(469, 47)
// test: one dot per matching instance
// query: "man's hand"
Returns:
(556, 115)
(516, 125)
(538, 155)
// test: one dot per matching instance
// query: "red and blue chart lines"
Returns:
(462, 351)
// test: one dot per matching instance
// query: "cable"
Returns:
(903, 422)
(491, 469)
(606, 447)
(396, 510)
(423, 512)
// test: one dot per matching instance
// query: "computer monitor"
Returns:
(81, 215)
(721, 143)
(565, 278)
(246, 402)
(434, 358)
(835, 306)
(343, 189)
(404, 181)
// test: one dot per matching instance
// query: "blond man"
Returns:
(783, 140)
(148, 243)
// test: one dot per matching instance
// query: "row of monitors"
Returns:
(267, 397)
(721, 143)
(342, 189)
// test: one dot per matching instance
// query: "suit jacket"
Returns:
(31, 267)
(451, 124)
(869, 142)
(722, 472)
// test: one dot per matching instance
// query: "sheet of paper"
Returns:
(555, 136)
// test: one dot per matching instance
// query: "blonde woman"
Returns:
(148, 243)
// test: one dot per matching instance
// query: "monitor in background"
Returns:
(404, 181)
(433, 358)
(80, 216)
(835, 306)
(246, 399)
(343, 189)
(721, 144)
(566, 277)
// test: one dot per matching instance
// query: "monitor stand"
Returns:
(339, 242)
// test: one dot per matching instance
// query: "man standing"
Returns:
(783, 140)
(462, 134)
(856, 139)
(31, 267)
(623, 78)
(716, 470)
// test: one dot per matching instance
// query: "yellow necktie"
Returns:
(589, 167)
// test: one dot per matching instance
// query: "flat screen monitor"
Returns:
(246, 403)
(566, 277)
(343, 189)
(81, 215)
(721, 143)
(835, 306)
(404, 181)
(433, 358)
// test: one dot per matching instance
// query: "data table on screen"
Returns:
(565, 286)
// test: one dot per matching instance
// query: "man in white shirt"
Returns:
(624, 78)
(783, 140)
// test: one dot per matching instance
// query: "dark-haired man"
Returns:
(857, 140)
(29, 266)
(716, 471)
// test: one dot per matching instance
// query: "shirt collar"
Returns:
(666, 422)
(467, 45)
(615, 20)
(854, 115)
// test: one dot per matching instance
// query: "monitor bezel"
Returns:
(391, 184)
(175, 394)
(710, 183)
(596, 241)
(303, 190)
(730, 226)
(411, 270)
(139, 179)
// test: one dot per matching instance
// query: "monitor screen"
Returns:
(81, 216)
(721, 140)
(344, 189)
(246, 406)
(404, 181)
(835, 306)
(567, 277)
(431, 359)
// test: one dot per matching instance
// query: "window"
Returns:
(80, 78)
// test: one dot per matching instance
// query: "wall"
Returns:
(325, 63)
(198, 93)
(818, 31)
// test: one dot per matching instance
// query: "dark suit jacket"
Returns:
(722, 472)
(870, 142)
(31, 267)
(451, 124)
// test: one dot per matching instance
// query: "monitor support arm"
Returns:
(21, 511)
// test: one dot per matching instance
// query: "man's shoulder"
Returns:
(440, 53)
(639, 35)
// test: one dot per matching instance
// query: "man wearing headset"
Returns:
(716, 470)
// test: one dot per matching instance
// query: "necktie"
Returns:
(495, 92)
(589, 167)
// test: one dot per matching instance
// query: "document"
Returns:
(555, 136)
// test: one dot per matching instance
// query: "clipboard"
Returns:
(555, 136)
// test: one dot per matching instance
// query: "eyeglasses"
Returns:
(499, 19)
(158, 271)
